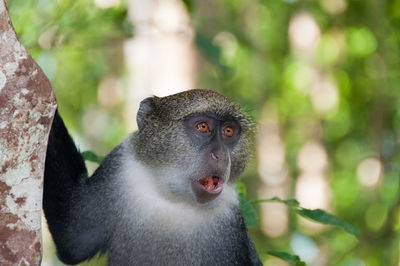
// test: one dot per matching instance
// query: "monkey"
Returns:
(164, 196)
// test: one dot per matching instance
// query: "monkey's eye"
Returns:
(203, 127)
(228, 131)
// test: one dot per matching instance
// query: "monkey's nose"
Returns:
(214, 156)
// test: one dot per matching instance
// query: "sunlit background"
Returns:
(320, 78)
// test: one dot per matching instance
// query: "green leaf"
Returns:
(91, 156)
(240, 188)
(323, 217)
(292, 259)
(289, 202)
(250, 214)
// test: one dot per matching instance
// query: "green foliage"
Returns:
(292, 259)
(319, 216)
(250, 214)
(98, 260)
(188, 5)
(211, 51)
(241, 188)
(361, 42)
(322, 217)
(92, 157)
(289, 202)
(251, 219)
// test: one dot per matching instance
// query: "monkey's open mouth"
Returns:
(207, 188)
(213, 184)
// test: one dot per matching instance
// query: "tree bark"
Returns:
(27, 106)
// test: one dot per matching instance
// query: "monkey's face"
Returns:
(213, 139)
(193, 158)
(196, 142)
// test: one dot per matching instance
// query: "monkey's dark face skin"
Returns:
(215, 139)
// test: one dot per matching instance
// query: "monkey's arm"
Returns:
(70, 199)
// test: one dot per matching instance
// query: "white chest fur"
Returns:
(140, 188)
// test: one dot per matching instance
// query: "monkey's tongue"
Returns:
(212, 183)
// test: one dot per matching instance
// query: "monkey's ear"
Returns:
(146, 109)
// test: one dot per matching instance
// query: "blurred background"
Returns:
(320, 78)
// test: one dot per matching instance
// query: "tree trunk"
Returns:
(27, 106)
